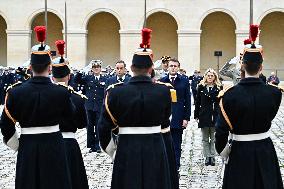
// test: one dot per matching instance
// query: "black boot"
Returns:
(212, 161)
(207, 161)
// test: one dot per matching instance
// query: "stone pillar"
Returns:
(129, 42)
(18, 47)
(241, 35)
(189, 49)
(77, 48)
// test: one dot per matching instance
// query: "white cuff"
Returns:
(111, 149)
(13, 142)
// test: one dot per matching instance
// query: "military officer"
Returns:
(95, 84)
(247, 110)
(140, 160)
(68, 127)
(39, 106)
(120, 71)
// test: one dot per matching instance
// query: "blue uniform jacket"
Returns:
(181, 110)
(113, 80)
(94, 90)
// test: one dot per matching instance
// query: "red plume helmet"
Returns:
(60, 44)
(146, 38)
(254, 32)
(247, 41)
(40, 33)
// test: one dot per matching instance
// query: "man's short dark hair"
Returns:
(174, 60)
(39, 68)
(121, 62)
(252, 68)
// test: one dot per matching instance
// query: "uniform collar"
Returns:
(40, 79)
(251, 80)
(140, 78)
(123, 78)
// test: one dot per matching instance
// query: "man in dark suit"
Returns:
(95, 84)
(181, 110)
(120, 70)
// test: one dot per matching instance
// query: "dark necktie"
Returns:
(120, 79)
(172, 79)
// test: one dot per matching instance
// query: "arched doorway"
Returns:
(218, 34)
(272, 40)
(54, 29)
(164, 35)
(3, 42)
(103, 38)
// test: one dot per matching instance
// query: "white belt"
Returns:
(251, 137)
(68, 135)
(39, 130)
(166, 130)
(140, 130)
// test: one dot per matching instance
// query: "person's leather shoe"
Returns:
(98, 150)
(92, 150)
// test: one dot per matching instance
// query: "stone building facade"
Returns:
(190, 30)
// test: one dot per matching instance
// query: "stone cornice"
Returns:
(19, 32)
(189, 33)
(130, 32)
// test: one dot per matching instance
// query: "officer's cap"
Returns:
(60, 65)
(253, 52)
(96, 63)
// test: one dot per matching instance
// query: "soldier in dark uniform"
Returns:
(68, 127)
(120, 69)
(247, 110)
(95, 85)
(195, 79)
(39, 106)
(139, 110)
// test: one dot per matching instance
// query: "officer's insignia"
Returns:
(113, 85)
(162, 83)
(69, 88)
(11, 86)
(102, 83)
(222, 92)
(280, 88)
(80, 94)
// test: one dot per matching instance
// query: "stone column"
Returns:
(189, 49)
(18, 47)
(77, 48)
(129, 42)
(241, 35)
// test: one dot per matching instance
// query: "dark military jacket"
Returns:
(138, 103)
(251, 106)
(94, 90)
(79, 118)
(35, 103)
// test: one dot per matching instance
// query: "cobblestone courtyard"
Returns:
(193, 172)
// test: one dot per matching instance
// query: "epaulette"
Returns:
(280, 88)
(11, 86)
(80, 94)
(172, 90)
(68, 87)
(222, 92)
(162, 83)
(114, 85)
